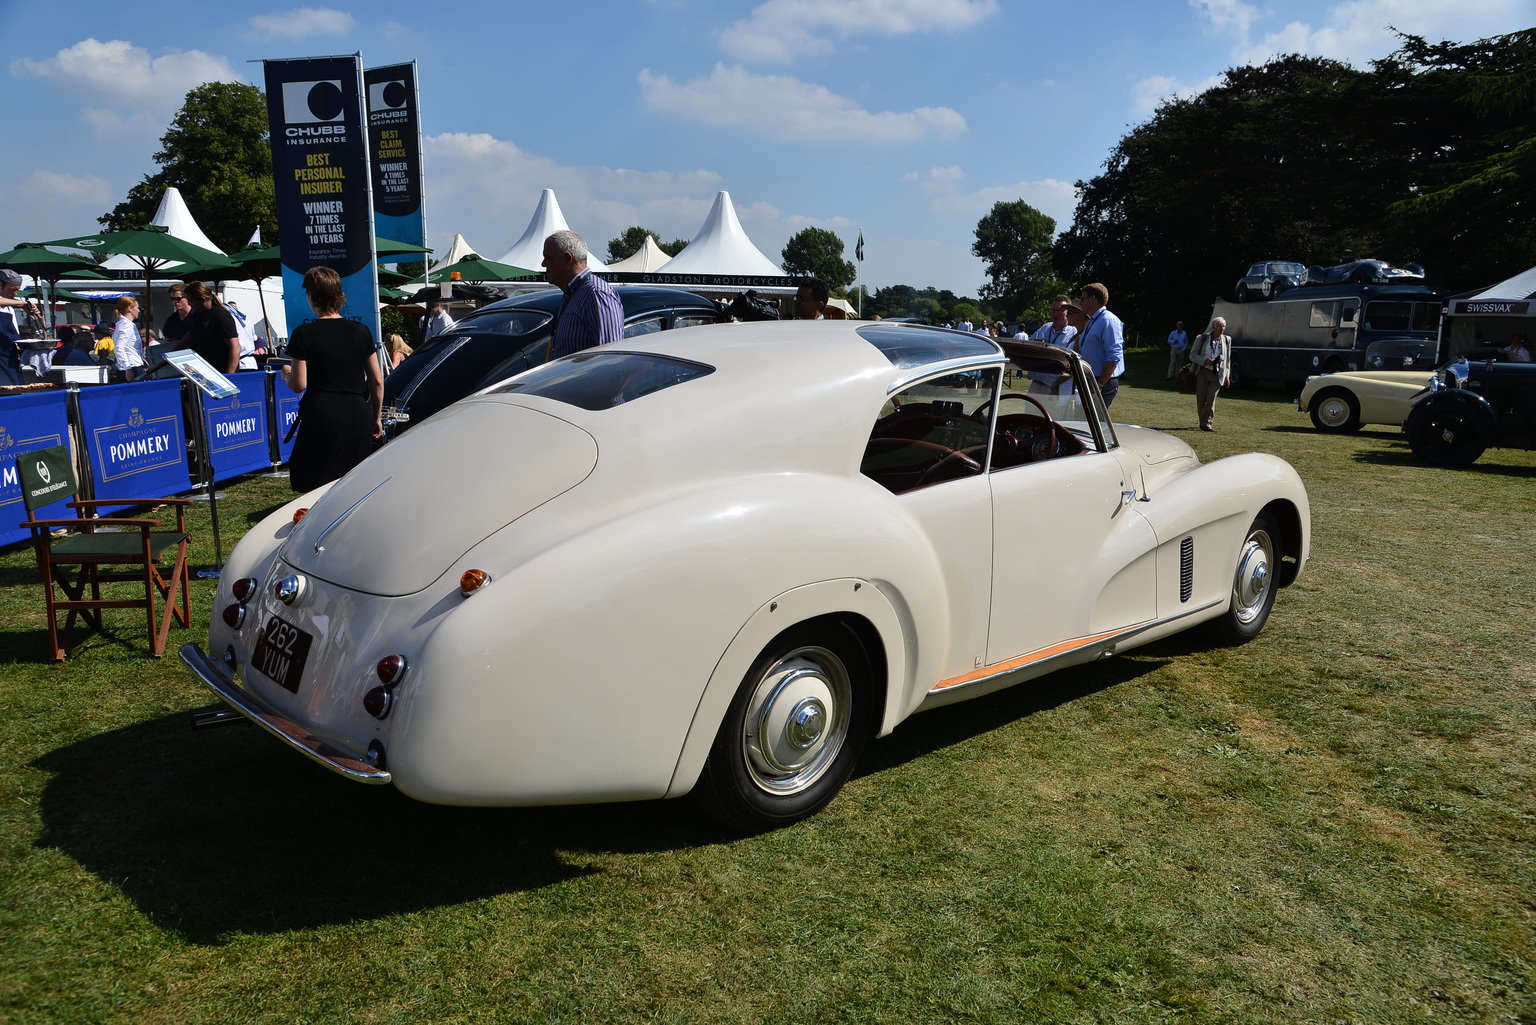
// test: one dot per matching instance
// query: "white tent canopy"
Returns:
(176, 219)
(528, 251)
(1521, 286)
(647, 258)
(722, 247)
(458, 251)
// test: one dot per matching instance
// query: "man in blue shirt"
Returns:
(590, 314)
(1178, 347)
(1102, 343)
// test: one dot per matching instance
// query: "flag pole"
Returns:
(858, 254)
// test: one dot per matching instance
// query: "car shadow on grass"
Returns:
(221, 832)
(1486, 464)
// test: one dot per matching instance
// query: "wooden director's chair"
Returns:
(47, 475)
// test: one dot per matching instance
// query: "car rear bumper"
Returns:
(213, 673)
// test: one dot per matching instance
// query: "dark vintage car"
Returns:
(1474, 406)
(1268, 278)
(1364, 272)
(508, 337)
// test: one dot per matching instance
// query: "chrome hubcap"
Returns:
(1252, 583)
(1333, 412)
(796, 721)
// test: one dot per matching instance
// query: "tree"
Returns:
(216, 151)
(1014, 241)
(631, 239)
(818, 253)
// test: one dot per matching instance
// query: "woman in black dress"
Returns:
(336, 368)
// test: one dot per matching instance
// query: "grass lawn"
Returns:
(1334, 823)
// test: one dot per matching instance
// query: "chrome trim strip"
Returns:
(354, 505)
(1104, 640)
(212, 673)
(953, 366)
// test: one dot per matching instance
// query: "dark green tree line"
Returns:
(1424, 158)
(216, 152)
(632, 238)
(818, 253)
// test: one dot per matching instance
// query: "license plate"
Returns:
(281, 652)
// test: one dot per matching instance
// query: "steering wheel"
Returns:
(950, 458)
(980, 412)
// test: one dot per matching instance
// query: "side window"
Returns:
(1325, 314)
(692, 320)
(932, 432)
(644, 326)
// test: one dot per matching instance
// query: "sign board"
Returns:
(201, 373)
(394, 146)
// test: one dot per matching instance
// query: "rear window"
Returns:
(502, 322)
(603, 379)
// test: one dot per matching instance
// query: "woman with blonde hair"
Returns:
(398, 350)
(127, 346)
(1212, 356)
(335, 366)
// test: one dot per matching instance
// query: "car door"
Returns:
(1073, 560)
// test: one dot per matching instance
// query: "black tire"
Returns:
(1255, 580)
(1335, 365)
(1361, 276)
(1336, 411)
(1443, 434)
(1242, 294)
(793, 732)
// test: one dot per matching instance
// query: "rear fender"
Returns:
(868, 609)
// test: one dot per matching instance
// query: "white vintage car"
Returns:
(1347, 401)
(722, 560)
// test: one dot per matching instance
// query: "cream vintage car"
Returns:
(1347, 401)
(722, 560)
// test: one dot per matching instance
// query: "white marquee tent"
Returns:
(646, 259)
(528, 251)
(722, 247)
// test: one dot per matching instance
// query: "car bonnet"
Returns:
(406, 514)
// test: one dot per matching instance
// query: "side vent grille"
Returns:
(1186, 568)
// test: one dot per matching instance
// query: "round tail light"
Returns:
(378, 702)
(243, 588)
(234, 616)
(390, 669)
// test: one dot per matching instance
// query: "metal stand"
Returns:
(205, 466)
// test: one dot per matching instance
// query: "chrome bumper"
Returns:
(216, 676)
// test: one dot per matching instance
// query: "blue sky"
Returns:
(908, 118)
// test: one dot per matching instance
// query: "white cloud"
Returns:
(1147, 93)
(1051, 196)
(782, 30)
(789, 109)
(302, 23)
(116, 76)
(59, 187)
(1227, 17)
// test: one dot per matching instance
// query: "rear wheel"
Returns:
(1336, 410)
(1254, 583)
(793, 732)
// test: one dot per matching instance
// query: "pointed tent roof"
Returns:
(647, 258)
(459, 250)
(177, 220)
(1521, 286)
(722, 247)
(528, 251)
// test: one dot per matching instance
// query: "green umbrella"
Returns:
(387, 250)
(151, 246)
(61, 295)
(477, 268)
(31, 259)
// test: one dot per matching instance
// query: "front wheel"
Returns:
(1447, 436)
(793, 732)
(1254, 584)
(1336, 410)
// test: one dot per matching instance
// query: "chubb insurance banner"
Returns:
(394, 143)
(28, 422)
(320, 168)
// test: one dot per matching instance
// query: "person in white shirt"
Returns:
(437, 322)
(127, 346)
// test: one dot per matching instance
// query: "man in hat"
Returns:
(12, 314)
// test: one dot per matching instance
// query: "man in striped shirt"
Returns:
(590, 314)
